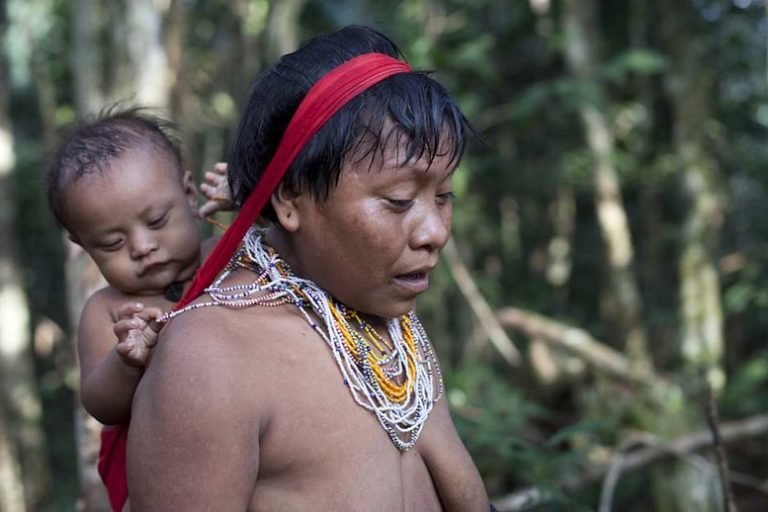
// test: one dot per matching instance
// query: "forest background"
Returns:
(599, 312)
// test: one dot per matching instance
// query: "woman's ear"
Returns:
(190, 190)
(284, 202)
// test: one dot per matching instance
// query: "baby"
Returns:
(118, 187)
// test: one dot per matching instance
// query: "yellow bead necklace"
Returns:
(398, 379)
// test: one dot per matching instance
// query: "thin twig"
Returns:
(618, 463)
(750, 482)
(610, 481)
(479, 306)
(713, 419)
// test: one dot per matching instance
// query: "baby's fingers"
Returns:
(134, 351)
(215, 181)
(155, 323)
(123, 327)
(219, 169)
(130, 351)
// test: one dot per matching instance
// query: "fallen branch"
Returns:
(654, 450)
(480, 308)
(578, 342)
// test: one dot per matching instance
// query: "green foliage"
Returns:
(632, 63)
(745, 393)
(494, 418)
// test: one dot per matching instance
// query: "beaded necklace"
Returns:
(395, 380)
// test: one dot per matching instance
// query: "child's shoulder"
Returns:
(105, 297)
(107, 300)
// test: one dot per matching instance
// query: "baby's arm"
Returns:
(109, 372)
(215, 188)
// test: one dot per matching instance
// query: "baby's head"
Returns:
(117, 185)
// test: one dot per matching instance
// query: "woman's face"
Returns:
(375, 240)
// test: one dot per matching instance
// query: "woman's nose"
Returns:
(433, 228)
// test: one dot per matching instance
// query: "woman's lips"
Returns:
(416, 282)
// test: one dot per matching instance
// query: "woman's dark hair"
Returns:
(92, 145)
(421, 110)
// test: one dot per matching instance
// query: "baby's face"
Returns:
(137, 221)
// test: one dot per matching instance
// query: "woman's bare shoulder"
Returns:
(232, 340)
(208, 363)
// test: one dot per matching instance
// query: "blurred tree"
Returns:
(146, 74)
(13, 321)
(24, 442)
(690, 88)
(281, 32)
(85, 57)
(624, 305)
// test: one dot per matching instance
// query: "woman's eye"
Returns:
(445, 197)
(400, 204)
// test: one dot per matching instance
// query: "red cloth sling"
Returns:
(323, 100)
(111, 464)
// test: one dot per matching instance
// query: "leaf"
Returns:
(642, 62)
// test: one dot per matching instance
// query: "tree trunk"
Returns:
(22, 434)
(547, 363)
(174, 48)
(249, 55)
(701, 313)
(12, 341)
(138, 61)
(119, 69)
(147, 53)
(581, 55)
(84, 58)
(281, 33)
(690, 87)
(11, 484)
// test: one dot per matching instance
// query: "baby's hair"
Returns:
(411, 109)
(91, 145)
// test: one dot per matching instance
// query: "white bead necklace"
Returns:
(410, 358)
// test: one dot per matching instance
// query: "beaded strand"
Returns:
(395, 380)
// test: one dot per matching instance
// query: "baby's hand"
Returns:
(215, 188)
(136, 329)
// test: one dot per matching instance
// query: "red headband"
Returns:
(323, 100)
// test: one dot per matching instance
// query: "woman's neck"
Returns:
(281, 241)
